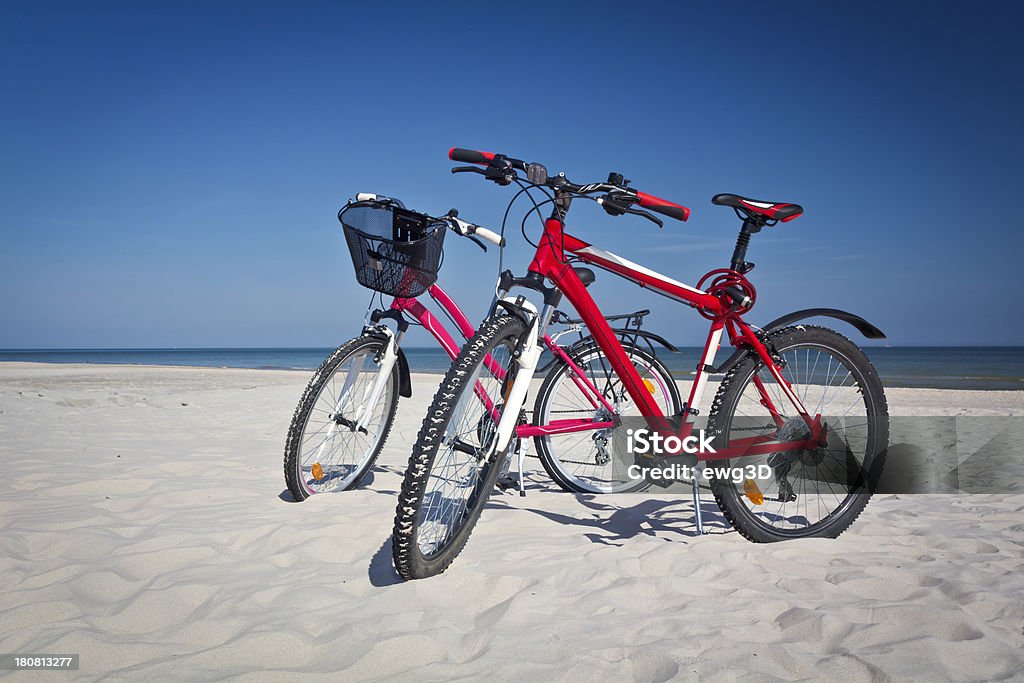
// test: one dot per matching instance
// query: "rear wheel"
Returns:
(580, 462)
(329, 447)
(454, 463)
(808, 493)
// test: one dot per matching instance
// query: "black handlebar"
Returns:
(470, 156)
(680, 213)
(617, 200)
(665, 208)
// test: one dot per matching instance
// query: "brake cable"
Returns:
(525, 188)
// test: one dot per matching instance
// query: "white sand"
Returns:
(151, 537)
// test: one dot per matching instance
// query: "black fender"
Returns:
(862, 325)
(656, 338)
(579, 344)
(621, 332)
(404, 381)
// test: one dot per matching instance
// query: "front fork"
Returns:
(387, 364)
(527, 358)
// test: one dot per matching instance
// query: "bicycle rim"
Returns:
(342, 431)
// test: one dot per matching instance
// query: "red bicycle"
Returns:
(802, 402)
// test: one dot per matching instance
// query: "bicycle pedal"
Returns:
(508, 481)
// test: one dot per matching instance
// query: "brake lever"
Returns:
(615, 207)
(478, 241)
(646, 214)
(468, 169)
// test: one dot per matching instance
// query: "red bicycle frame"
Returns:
(550, 261)
(432, 324)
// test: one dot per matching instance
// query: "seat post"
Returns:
(739, 254)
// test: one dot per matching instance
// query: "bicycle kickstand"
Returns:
(698, 517)
(523, 446)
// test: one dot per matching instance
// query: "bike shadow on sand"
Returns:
(607, 523)
(655, 518)
(381, 571)
(612, 524)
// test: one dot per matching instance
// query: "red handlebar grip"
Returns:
(470, 156)
(666, 208)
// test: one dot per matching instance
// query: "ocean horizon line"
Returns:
(937, 367)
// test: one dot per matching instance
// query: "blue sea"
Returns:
(935, 367)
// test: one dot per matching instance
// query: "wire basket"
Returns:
(394, 251)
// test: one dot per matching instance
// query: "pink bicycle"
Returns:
(799, 405)
(343, 419)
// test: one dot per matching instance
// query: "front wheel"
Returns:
(336, 435)
(454, 462)
(816, 492)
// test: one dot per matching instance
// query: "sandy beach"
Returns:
(146, 526)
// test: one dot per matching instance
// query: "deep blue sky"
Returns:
(171, 172)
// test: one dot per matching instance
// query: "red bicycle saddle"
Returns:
(772, 210)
